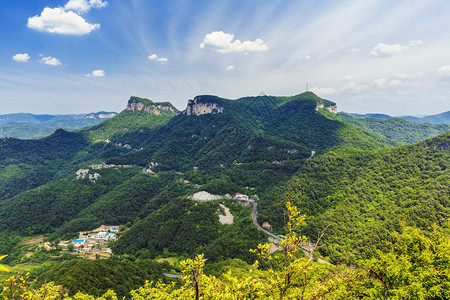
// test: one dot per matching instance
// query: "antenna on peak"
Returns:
(306, 86)
(262, 94)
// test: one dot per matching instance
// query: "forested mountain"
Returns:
(139, 167)
(365, 195)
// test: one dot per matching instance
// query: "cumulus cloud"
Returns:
(353, 87)
(57, 20)
(230, 68)
(82, 6)
(388, 50)
(323, 91)
(51, 61)
(444, 70)
(21, 57)
(223, 43)
(96, 73)
(155, 57)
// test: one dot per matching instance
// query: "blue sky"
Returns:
(75, 56)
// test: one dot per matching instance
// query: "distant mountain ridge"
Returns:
(442, 118)
(27, 125)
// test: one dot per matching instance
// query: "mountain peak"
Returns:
(153, 108)
(202, 105)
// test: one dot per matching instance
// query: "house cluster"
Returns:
(94, 242)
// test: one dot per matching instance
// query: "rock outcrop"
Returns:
(146, 105)
(204, 196)
(331, 108)
(196, 107)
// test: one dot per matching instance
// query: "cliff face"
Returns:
(331, 108)
(197, 108)
(147, 106)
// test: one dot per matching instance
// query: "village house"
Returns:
(239, 196)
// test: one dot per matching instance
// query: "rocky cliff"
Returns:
(331, 108)
(153, 108)
(199, 106)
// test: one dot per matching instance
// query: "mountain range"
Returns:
(358, 178)
(442, 118)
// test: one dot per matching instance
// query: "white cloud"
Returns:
(82, 6)
(384, 83)
(388, 50)
(444, 70)
(229, 68)
(57, 20)
(51, 61)
(223, 43)
(24, 57)
(96, 73)
(323, 91)
(353, 87)
(155, 57)
(381, 83)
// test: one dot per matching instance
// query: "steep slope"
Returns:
(26, 164)
(364, 195)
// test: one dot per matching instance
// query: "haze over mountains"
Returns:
(442, 118)
(26, 125)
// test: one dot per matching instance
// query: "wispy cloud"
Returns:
(223, 43)
(82, 6)
(21, 57)
(229, 68)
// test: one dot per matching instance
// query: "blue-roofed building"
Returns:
(78, 243)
